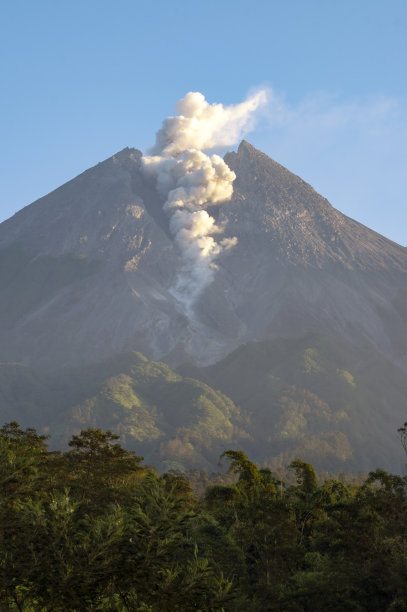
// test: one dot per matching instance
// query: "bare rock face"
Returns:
(301, 265)
(86, 271)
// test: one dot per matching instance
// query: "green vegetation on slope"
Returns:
(311, 396)
(332, 405)
(175, 422)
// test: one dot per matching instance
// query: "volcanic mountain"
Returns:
(304, 326)
(86, 271)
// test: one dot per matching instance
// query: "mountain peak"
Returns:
(128, 152)
(303, 226)
(248, 152)
(245, 146)
(88, 270)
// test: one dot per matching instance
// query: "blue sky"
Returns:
(82, 80)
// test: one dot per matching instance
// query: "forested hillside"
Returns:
(176, 422)
(336, 406)
(314, 396)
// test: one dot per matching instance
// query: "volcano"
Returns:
(307, 305)
(86, 271)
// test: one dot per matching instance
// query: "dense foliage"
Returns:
(94, 529)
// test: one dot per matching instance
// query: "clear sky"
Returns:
(82, 79)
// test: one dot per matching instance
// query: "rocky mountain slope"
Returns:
(86, 271)
(297, 348)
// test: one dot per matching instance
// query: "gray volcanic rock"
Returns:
(301, 265)
(85, 272)
(111, 223)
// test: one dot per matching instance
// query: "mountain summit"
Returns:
(86, 271)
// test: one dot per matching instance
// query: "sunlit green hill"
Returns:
(175, 422)
(310, 397)
(313, 397)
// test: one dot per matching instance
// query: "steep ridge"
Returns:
(109, 222)
(301, 265)
(304, 228)
(86, 271)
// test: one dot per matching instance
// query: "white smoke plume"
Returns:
(189, 179)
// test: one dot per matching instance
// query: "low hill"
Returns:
(336, 406)
(176, 422)
(327, 402)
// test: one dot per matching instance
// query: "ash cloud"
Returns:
(190, 179)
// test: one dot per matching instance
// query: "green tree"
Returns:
(99, 470)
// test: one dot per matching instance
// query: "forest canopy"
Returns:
(93, 528)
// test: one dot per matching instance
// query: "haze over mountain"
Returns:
(88, 273)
